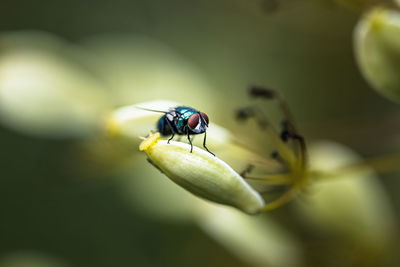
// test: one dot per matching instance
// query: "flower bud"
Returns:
(201, 173)
(377, 49)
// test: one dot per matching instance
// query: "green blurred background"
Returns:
(303, 48)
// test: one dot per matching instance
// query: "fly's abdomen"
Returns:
(163, 126)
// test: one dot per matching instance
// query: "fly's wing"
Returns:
(152, 110)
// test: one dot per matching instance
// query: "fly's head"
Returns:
(198, 122)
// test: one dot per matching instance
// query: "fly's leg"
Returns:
(172, 129)
(190, 141)
(171, 138)
(204, 143)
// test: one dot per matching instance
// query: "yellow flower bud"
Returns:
(201, 173)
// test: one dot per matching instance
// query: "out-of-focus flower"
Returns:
(351, 205)
(259, 241)
(47, 89)
(377, 49)
(139, 69)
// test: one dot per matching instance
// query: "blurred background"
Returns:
(63, 207)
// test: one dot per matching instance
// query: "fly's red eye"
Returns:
(193, 120)
(205, 117)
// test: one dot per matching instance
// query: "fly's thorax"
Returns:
(185, 112)
(180, 125)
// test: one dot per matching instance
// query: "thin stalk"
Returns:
(271, 179)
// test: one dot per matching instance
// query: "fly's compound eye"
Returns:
(193, 121)
(205, 117)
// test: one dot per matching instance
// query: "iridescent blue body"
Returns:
(183, 121)
(178, 117)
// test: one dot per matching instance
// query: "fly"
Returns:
(183, 120)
